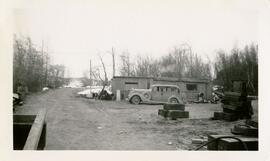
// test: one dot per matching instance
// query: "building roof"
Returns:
(170, 79)
(164, 85)
(133, 77)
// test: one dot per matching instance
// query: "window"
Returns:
(168, 89)
(162, 89)
(173, 89)
(131, 83)
(156, 89)
(191, 87)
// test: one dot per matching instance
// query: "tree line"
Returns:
(182, 62)
(32, 67)
(239, 64)
(179, 62)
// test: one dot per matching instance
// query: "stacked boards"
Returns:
(235, 106)
(230, 143)
(244, 137)
(173, 111)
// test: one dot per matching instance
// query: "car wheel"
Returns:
(173, 100)
(136, 100)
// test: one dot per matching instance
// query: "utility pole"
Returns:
(113, 62)
(47, 59)
(44, 81)
(90, 74)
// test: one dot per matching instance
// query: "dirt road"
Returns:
(75, 123)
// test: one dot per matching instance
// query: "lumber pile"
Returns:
(235, 106)
(251, 143)
(243, 137)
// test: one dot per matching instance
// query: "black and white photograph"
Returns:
(135, 76)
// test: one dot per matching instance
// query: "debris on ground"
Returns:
(201, 98)
(99, 127)
(244, 136)
(45, 89)
(96, 91)
(122, 132)
(86, 93)
(74, 84)
(17, 100)
(198, 141)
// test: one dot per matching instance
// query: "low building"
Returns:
(189, 87)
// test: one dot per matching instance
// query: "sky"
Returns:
(76, 31)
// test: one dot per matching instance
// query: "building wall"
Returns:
(120, 83)
(125, 84)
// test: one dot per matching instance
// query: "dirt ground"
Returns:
(75, 123)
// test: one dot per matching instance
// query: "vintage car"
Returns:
(158, 93)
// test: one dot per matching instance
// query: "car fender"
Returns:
(147, 95)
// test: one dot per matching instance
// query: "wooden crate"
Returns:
(245, 130)
(218, 115)
(230, 108)
(230, 116)
(232, 144)
(175, 114)
(252, 123)
(163, 112)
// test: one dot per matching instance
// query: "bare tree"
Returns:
(147, 66)
(238, 64)
(31, 66)
(182, 62)
(113, 59)
(104, 71)
(127, 68)
(97, 75)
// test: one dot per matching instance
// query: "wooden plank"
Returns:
(245, 130)
(233, 94)
(230, 107)
(252, 123)
(171, 106)
(35, 132)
